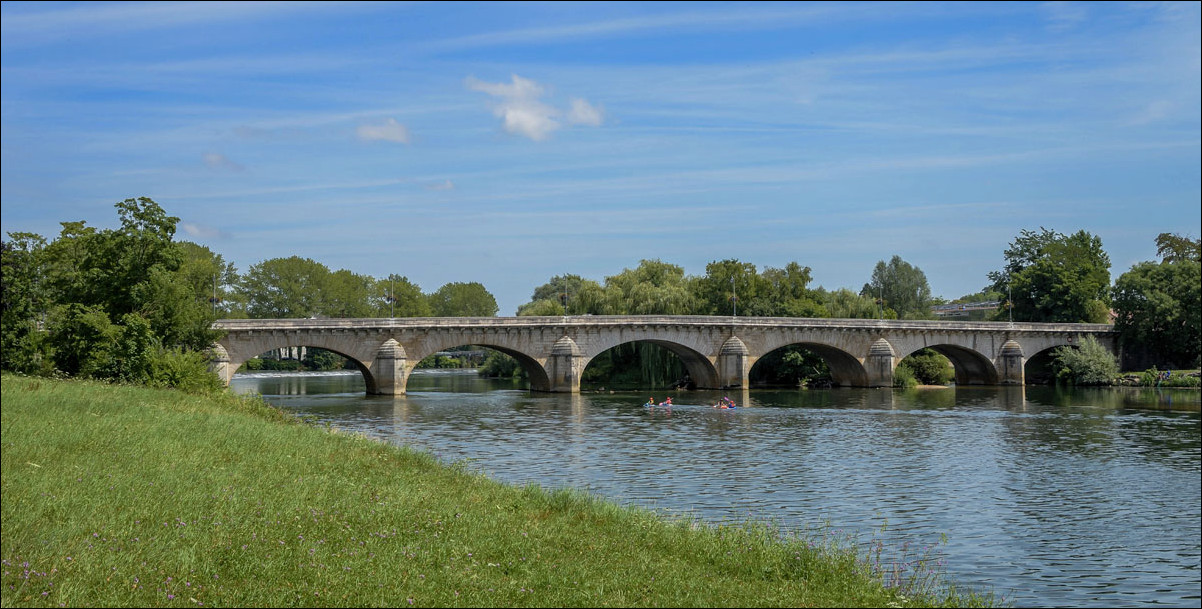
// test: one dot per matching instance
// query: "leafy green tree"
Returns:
(209, 277)
(1056, 278)
(731, 287)
(178, 316)
(117, 303)
(82, 339)
(653, 288)
(142, 246)
(463, 300)
(396, 296)
(284, 288)
(543, 307)
(903, 288)
(788, 294)
(22, 303)
(346, 294)
(846, 304)
(1158, 309)
(1172, 247)
(573, 294)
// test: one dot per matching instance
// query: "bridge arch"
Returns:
(226, 364)
(539, 380)
(971, 366)
(698, 366)
(846, 370)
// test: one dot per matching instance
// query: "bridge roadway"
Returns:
(718, 352)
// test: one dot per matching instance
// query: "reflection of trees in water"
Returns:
(1108, 423)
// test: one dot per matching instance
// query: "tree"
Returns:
(1056, 278)
(117, 304)
(787, 290)
(463, 300)
(731, 287)
(209, 276)
(346, 294)
(1176, 248)
(846, 304)
(653, 288)
(284, 288)
(901, 287)
(22, 303)
(396, 296)
(565, 294)
(1158, 313)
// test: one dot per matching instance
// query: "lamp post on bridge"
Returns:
(213, 300)
(1010, 300)
(734, 298)
(391, 298)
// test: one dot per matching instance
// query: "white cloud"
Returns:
(216, 160)
(388, 131)
(523, 113)
(519, 107)
(200, 231)
(584, 113)
(445, 185)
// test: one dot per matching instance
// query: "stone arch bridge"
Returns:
(718, 352)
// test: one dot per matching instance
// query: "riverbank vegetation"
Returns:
(132, 304)
(126, 496)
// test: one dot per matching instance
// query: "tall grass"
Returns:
(123, 496)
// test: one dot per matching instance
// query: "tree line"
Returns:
(133, 304)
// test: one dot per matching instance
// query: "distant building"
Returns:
(973, 311)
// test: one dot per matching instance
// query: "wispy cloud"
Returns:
(444, 185)
(584, 113)
(201, 231)
(388, 131)
(216, 160)
(96, 19)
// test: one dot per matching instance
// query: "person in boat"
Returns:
(650, 403)
(667, 402)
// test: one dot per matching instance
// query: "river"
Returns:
(1047, 497)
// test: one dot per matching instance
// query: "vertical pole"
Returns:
(734, 298)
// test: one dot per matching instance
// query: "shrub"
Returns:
(928, 367)
(903, 377)
(184, 370)
(1089, 364)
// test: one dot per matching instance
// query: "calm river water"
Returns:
(1046, 497)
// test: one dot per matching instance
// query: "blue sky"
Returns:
(509, 143)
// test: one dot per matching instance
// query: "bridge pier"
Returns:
(1010, 364)
(219, 364)
(733, 367)
(388, 370)
(565, 367)
(879, 364)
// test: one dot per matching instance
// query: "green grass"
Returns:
(124, 496)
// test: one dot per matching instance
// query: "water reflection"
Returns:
(1052, 497)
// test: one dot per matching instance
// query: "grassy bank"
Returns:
(124, 496)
